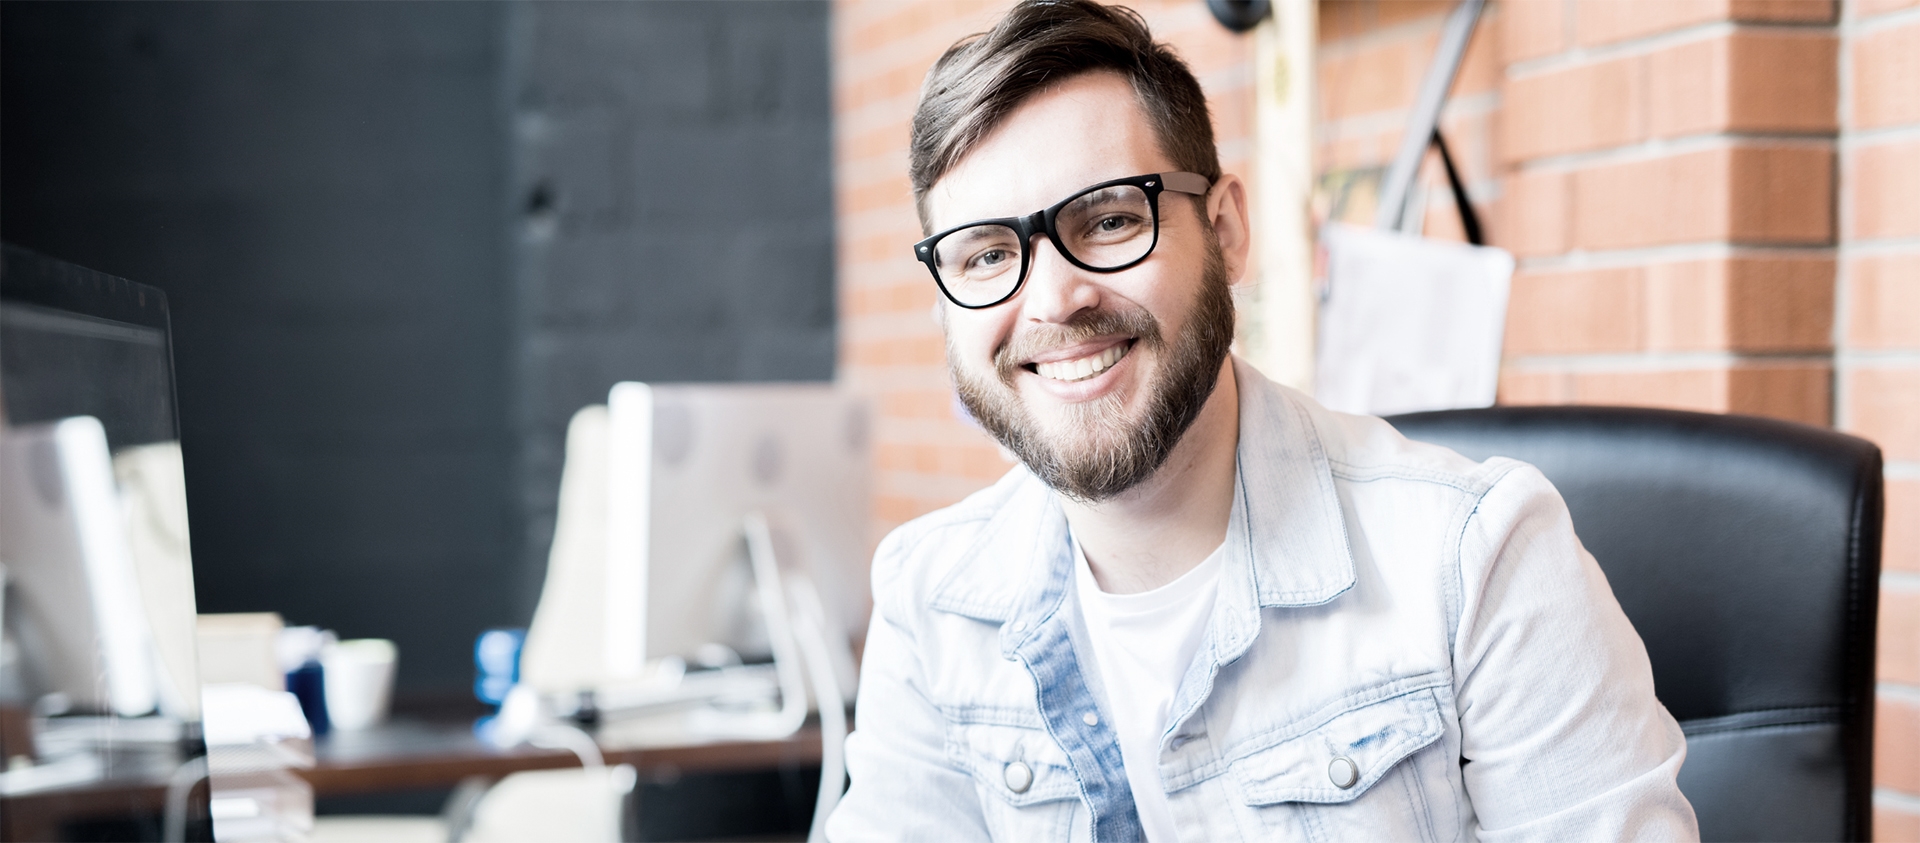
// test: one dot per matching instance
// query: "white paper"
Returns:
(1409, 324)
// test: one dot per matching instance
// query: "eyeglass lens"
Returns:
(1104, 229)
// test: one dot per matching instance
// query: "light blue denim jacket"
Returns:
(1406, 645)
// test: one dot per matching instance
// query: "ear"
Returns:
(1227, 211)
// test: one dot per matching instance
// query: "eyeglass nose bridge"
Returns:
(1043, 222)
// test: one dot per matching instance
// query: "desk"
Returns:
(418, 755)
(404, 754)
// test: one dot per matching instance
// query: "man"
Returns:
(1204, 608)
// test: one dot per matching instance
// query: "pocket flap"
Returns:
(1371, 738)
(988, 750)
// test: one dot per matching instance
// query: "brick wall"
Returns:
(1877, 352)
(1712, 203)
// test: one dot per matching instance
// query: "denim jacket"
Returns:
(1406, 645)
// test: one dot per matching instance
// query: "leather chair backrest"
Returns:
(1746, 551)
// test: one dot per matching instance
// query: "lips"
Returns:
(1082, 368)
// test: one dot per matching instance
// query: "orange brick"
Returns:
(1530, 28)
(1578, 312)
(1615, 206)
(1885, 63)
(1606, 21)
(1782, 195)
(1795, 392)
(1780, 304)
(1518, 387)
(1337, 20)
(1740, 304)
(1783, 81)
(1885, 311)
(1381, 77)
(1804, 11)
(1395, 12)
(1539, 213)
(1892, 825)
(887, 193)
(1480, 67)
(1756, 194)
(916, 403)
(1884, 406)
(1896, 745)
(1900, 636)
(1886, 178)
(1584, 107)
(1757, 81)
(1901, 540)
(895, 352)
(1701, 390)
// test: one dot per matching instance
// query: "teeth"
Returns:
(1083, 368)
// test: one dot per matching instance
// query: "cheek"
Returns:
(973, 338)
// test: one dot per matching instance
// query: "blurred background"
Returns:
(404, 242)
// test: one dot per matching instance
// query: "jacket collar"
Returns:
(1286, 536)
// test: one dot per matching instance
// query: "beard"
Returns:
(1099, 452)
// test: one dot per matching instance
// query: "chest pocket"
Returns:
(1027, 790)
(1360, 775)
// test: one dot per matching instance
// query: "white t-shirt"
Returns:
(1143, 644)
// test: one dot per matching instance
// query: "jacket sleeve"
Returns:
(903, 786)
(1561, 735)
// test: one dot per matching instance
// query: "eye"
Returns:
(1113, 226)
(989, 259)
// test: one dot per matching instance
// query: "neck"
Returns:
(1151, 534)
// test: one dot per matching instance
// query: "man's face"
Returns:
(1090, 378)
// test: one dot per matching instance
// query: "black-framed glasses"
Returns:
(1107, 227)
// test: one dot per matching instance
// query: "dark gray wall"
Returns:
(672, 163)
(403, 242)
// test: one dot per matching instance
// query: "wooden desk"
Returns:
(420, 755)
(404, 754)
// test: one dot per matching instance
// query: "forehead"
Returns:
(1086, 129)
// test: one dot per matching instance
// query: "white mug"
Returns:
(359, 681)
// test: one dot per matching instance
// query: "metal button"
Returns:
(1343, 772)
(1019, 777)
(1090, 719)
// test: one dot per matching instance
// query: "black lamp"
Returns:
(1240, 15)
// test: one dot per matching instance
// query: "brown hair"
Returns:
(982, 78)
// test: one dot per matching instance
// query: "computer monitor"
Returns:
(99, 611)
(688, 463)
(651, 559)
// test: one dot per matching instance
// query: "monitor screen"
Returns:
(98, 687)
(689, 464)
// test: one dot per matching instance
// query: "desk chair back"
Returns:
(1746, 551)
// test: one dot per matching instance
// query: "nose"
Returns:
(1055, 288)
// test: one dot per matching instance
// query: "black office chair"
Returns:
(1746, 551)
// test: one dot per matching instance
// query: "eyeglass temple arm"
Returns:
(1193, 183)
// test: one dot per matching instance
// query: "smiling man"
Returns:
(1204, 608)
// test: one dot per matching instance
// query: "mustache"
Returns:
(1082, 326)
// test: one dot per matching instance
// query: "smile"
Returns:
(1082, 368)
